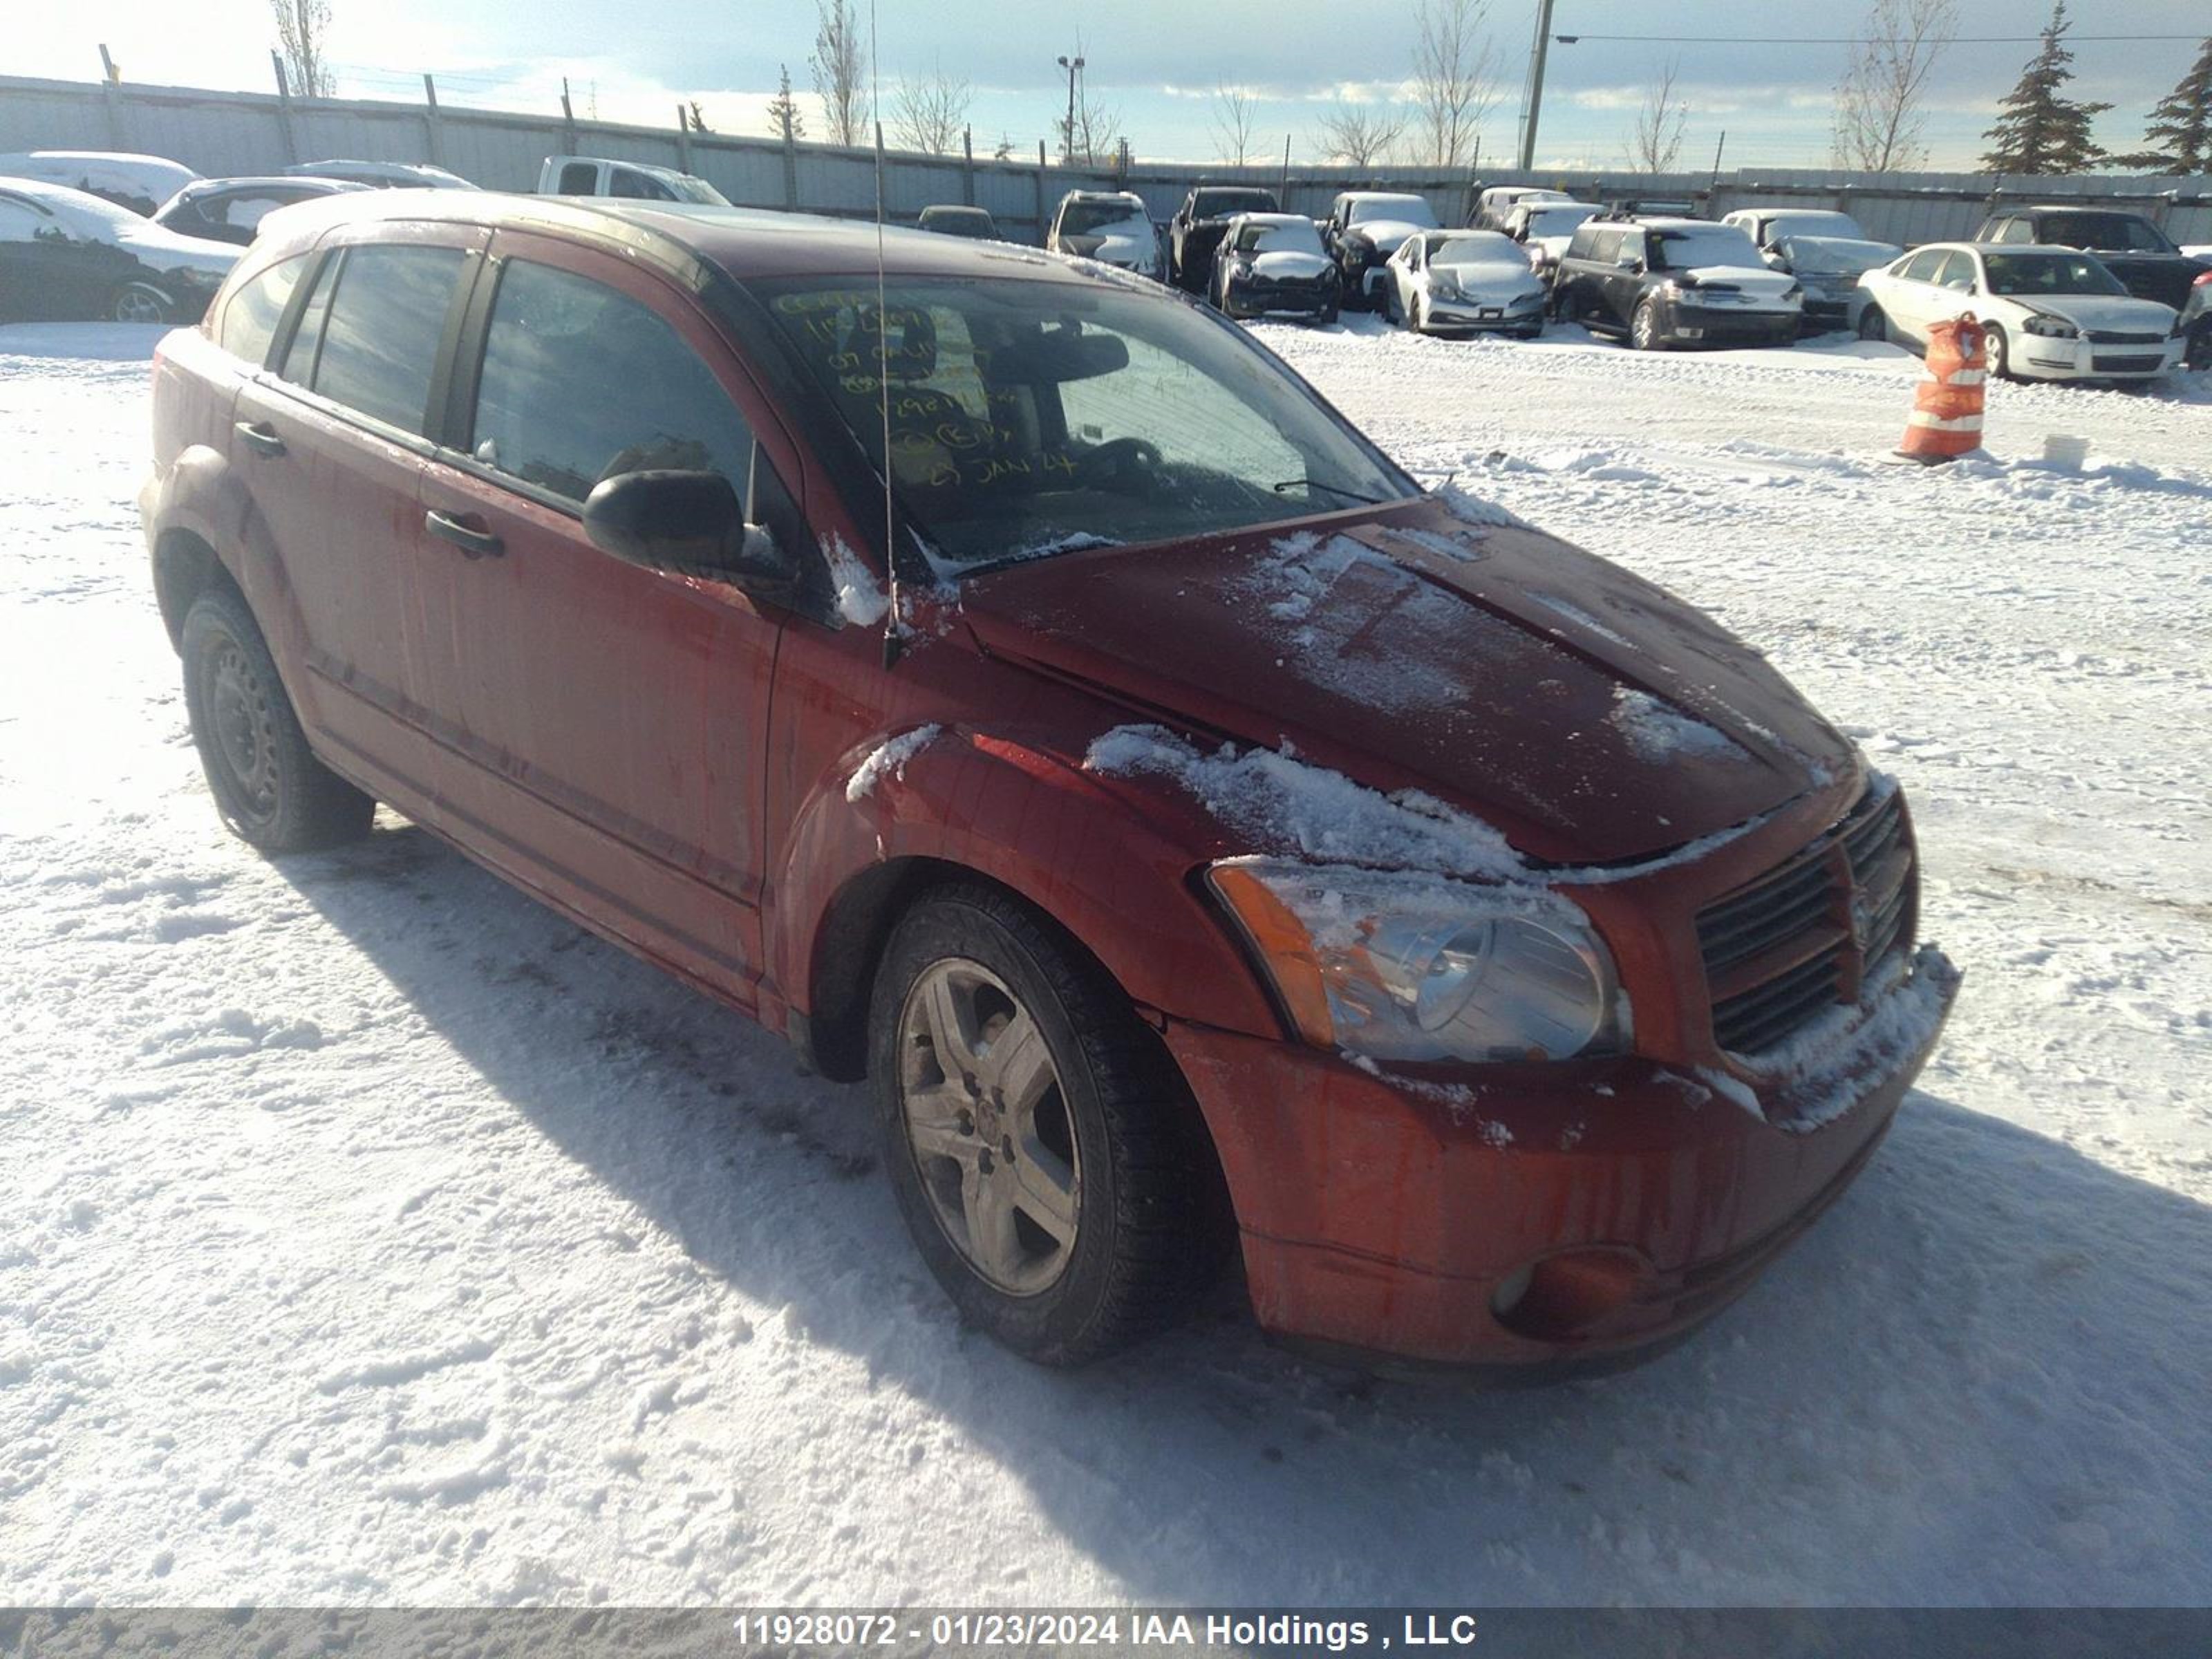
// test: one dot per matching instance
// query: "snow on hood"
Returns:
(1498, 277)
(164, 250)
(1289, 264)
(1494, 668)
(1760, 283)
(2102, 311)
(1837, 255)
(1124, 242)
(1388, 234)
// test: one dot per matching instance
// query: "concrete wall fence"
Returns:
(219, 133)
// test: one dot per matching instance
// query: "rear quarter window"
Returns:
(252, 313)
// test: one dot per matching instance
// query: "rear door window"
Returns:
(379, 338)
(581, 383)
(1923, 266)
(579, 178)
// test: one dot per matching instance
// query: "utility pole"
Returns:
(1535, 98)
(1074, 67)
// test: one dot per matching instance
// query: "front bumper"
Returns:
(1553, 1217)
(1473, 314)
(1300, 305)
(1688, 324)
(2039, 357)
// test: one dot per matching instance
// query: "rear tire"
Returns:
(1873, 324)
(1050, 1164)
(268, 785)
(141, 302)
(1999, 351)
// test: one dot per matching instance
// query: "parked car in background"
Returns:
(2197, 324)
(1491, 207)
(593, 175)
(2142, 256)
(1463, 281)
(1113, 226)
(383, 175)
(1543, 229)
(1669, 281)
(2050, 313)
(1272, 265)
(231, 210)
(973, 223)
(66, 255)
(1240, 849)
(1198, 225)
(1825, 252)
(141, 183)
(1364, 228)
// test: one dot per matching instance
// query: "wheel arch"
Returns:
(185, 566)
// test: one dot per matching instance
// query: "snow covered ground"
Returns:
(371, 1235)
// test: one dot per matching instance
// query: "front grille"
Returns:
(2121, 336)
(1781, 950)
(2112, 363)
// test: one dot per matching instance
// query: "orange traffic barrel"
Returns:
(1946, 407)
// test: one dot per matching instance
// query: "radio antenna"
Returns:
(895, 624)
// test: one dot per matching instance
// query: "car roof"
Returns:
(1103, 196)
(1678, 221)
(1383, 196)
(744, 243)
(312, 182)
(1271, 219)
(48, 194)
(2065, 207)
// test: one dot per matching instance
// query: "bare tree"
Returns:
(1097, 131)
(1453, 90)
(302, 28)
(1878, 101)
(1236, 116)
(1361, 134)
(932, 114)
(840, 62)
(693, 118)
(784, 116)
(1655, 141)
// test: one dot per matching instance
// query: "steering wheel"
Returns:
(1119, 462)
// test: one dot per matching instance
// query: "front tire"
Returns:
(268, 785)
(1048, 1161)
(1643, 327)
(1998, 350)
(1873, 324)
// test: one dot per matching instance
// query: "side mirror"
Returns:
(688, 523)
(1629, 262)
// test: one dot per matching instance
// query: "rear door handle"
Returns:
(477, 543)
(259, 434)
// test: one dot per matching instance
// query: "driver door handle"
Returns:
(260, 435)
(475, 544)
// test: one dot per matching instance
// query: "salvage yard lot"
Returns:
(372, 1235)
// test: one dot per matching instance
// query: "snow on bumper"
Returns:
(1579, 1214)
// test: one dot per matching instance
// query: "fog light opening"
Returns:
(1564, 1296)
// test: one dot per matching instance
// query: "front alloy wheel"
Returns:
(1643, 327)
(140, 302)
(1051, 1165)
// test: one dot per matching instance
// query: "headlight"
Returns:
(1443, 287)
(1421, 968)
(2054, 328)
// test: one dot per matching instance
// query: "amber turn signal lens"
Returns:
(1283, 946)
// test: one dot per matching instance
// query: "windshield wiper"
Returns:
(1289, 484)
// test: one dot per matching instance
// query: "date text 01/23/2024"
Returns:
(1017, 1630)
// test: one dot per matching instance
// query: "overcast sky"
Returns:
(1156, 62)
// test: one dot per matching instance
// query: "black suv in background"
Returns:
(1195, 230)
(2143, 257)
(1664, 281)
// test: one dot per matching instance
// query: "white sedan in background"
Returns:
(1460, 281)
(2053, 313)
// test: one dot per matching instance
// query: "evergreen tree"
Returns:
(784, 118)
(2180, 131)
(2042, 131)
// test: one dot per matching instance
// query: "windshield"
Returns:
(1490, 249)
(1779, 225)
(1220, 204)
(1836, 253)
(2123, 232)
(1083, 218)
(689, 189)
(1695, 250)
(960, 221)
(2048, 273)
(1557, 221)
(1030, 417)
(1298, 238)
(1413, 209)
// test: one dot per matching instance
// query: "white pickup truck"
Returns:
(594, 175)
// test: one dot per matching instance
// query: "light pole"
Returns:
(1074, 67)
(1535, 84)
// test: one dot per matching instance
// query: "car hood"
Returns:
(1387, 235)
(2100, 311)
(167, 251)
(1837, 256)
(1288, 265)
(1500, 277)
(1128, 241)
(2164, 277)
(1759, 283)
(1588, 714)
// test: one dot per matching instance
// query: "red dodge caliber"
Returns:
(1019, 688)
